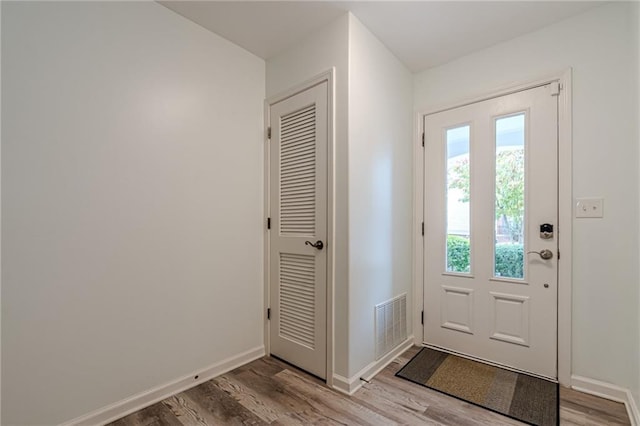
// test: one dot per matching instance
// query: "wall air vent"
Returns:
(390, 324)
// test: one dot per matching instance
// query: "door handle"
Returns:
(545, 254)
(318, 244)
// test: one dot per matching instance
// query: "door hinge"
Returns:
(556, 87)
(422, 318)
(268, 313)
(269, 132)
(423, 139)
(423, 229)
(558, 254)
(268, 223)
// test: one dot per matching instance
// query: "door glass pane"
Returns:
(458, 201)
(509, 197)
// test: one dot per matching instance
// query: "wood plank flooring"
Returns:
(270, 392)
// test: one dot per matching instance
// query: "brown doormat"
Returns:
(519, 396)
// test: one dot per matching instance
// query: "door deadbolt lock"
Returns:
(546, 231)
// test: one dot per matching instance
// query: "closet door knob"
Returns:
(318, 244)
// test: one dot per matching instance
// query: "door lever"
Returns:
(545, 254)
(318, 244)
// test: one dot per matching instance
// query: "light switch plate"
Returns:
(589, 207)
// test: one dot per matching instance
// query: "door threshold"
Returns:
(493, 363)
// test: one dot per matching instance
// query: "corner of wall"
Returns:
(608, 391)
(350, 385)
(380, 186)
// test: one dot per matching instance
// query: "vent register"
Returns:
(391, 324)
(297, 217)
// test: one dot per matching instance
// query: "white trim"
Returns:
(346, 386)
(418, 240)
(608, 391)
(565, 226)
(331, 220)
(301, 87)
(505, 90)
(349, 386)
(146, 398)
(329, 77)
(267, 241)
(565, 208)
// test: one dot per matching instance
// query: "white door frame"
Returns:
(327, 76)
(565, 210)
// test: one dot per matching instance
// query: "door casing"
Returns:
(565, 208)
(327, 76)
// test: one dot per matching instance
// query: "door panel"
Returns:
(490, 182)
(298, 204)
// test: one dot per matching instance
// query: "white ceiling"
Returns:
(422, 34)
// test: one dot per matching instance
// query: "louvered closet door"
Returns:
(298, 205)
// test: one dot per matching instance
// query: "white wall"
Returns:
(380, 186)
(131, 204)
(318, 53)
(601, 47)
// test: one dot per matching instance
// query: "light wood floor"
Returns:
(268, 391)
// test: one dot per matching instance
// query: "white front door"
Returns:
(298, 236)
(491, 182)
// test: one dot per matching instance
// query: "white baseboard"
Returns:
(608, 391)
(144, 399)
(350, 385)
(341, 384)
